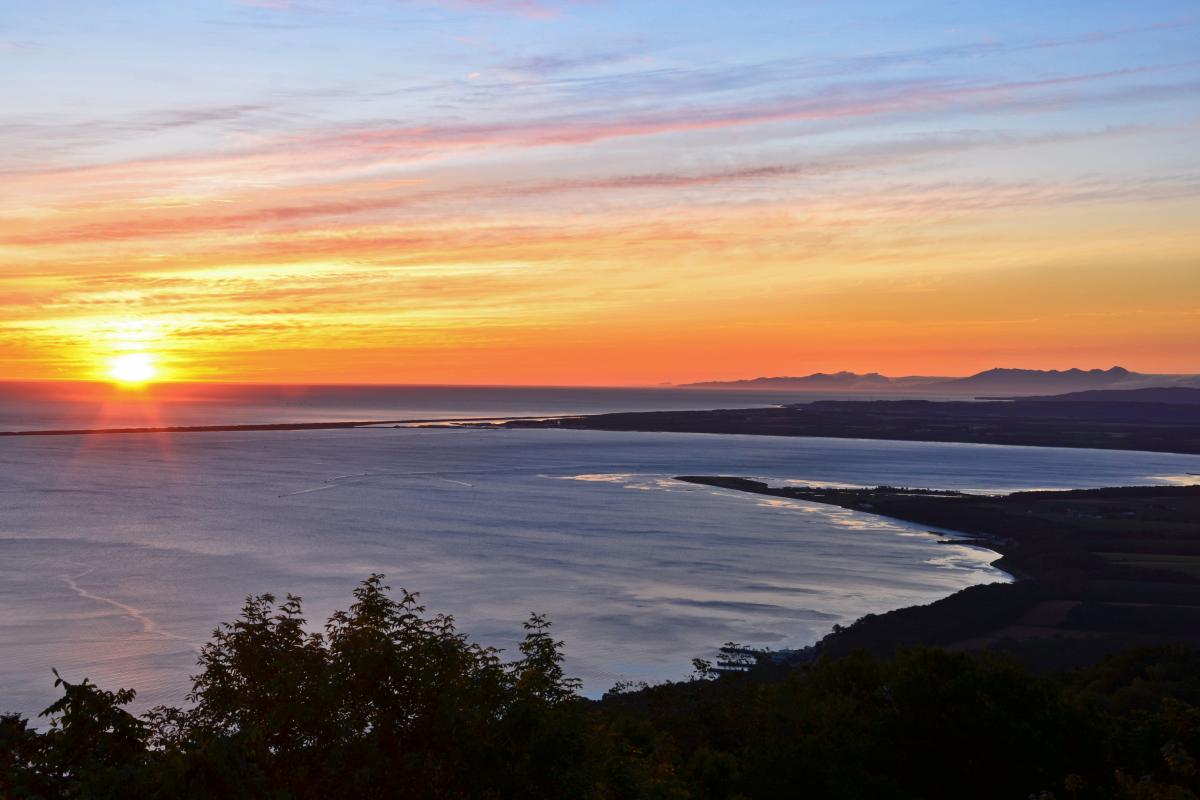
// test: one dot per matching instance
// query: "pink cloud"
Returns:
(330, 155)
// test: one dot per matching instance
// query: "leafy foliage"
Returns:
(387, 700)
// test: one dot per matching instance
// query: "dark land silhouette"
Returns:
(1098, 570)
(1183, 395)
(389, 701)
(265, 426)
(1117, 421)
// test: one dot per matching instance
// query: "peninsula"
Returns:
(1098, 570)
(1118, 420)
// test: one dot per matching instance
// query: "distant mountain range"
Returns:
(989, 382)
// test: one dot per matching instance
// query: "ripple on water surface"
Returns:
(118, 554)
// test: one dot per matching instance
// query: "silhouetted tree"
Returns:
(390, 701)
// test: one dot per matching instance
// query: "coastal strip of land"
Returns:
(1108, 424)
(1098, 570)
(273, 426)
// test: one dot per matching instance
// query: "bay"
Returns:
(119, 553)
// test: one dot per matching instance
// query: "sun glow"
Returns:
(132, 368)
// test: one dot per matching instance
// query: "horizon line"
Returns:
(437, 385)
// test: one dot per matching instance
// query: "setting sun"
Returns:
(132, 368)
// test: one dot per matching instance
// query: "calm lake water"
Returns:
(119, 553)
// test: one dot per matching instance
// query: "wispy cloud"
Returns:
(475, 183)
(273, 5)
(261, 211)
(557, 63)
(523, 8)
(674, 81)
(351, 146)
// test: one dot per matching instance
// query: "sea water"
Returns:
(79, 405)
(119, 553)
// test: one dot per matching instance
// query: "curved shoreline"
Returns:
(1095, 570)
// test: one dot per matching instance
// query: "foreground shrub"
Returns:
(387, 701)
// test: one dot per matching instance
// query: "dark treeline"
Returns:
(391, 702)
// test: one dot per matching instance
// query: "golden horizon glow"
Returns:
(712, 198)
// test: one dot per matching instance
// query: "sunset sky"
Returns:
(599, 191)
